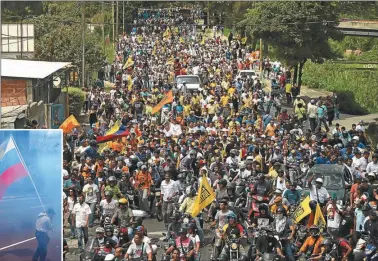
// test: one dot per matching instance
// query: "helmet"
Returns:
(109, 257)
(375, 155)
(138, 221)
(100, 230)
(167, 169)
(123, 201)
(232, 215)
(314, 230)
(282, 210)
(192, 226)
(260, 176)
(233, 151)
(326, 242)
(231, 185)
(183, 230)
(223, 182)
(112, 179)
(109, 193)
(143, 167)
(313, 204)
(242, 165)
(192, 153)
(263, 206)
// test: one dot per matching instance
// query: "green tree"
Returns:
(298, 31)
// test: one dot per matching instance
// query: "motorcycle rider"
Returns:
(243, 172)
(264, 218)
(221, 216)
(124, 184)
(292, 195)
(124, 216)
(138, 249)
(187, 206)
(102, 242)
(220, 193)
(168, 191)
(266, 245)
(233, 234)
(262, 188)
(311, 246)
(184, 244)
(113, 187)
(186, 164)
(286, 230)
(233, 158)
(174, 226)
(107, 206)
(143, 183)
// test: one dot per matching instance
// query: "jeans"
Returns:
(288, 250)
(312, 123)
(82, 232)
(72, 227)
(93, 210)
(143, 199)
(324, 121)
(41, 251)
(200, 230)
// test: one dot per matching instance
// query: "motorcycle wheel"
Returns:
(159, 215)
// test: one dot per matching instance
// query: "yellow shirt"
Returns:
(273, 174)
(269, 131)
(224, 100)
(231, 91)
(187, 205)
(186, 110)
(288, 87)
(259, 159)
(210, 109)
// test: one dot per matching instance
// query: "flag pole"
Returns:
(27, 170)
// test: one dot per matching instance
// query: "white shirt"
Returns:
(168, 189)
(311, 110)
(371, 167)
(70, 203)
(90, 192)
(43, 223)
(81, 211)
(356, 162)
(333, 218)
(108, 208)
(322, 193)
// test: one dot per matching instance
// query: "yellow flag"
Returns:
(244, 40)
(128, 63)
(204, 198)
(319, 219)
(170, 61)
(167, 33)
(182, 40)
(302, 210)
(139, 39)
(69, 124)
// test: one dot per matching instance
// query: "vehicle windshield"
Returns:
(188, 80)
(247, 73)
(330, 180)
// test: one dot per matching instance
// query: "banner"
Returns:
(244, 40)
(302, 210)
(319, 219)
(121, 132)
(69, 124)
(168, 98)
(115, 128)
(204, 198)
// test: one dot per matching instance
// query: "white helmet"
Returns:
(109, 257)
(320, 180)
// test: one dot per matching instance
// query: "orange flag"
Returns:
(69, 124)
(168, 98)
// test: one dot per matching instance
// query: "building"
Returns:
(27, 87)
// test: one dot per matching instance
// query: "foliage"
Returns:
(357, 90)
(76, 100)
(298, 30)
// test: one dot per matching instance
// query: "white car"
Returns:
(250, 73)
(190, 82)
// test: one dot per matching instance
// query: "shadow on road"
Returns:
(25, 252)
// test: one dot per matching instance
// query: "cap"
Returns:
(320, 180)
(312, 101)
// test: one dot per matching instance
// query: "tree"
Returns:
(298, 31)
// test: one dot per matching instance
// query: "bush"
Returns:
(357, 89)
(76, 100)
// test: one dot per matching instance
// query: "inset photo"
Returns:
(30, 195)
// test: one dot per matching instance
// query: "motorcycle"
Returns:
(232, 247)
(257, 201)
(95, 251)
(159, 211)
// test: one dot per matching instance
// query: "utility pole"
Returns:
(83, 43)
(208, 14)
(113, 21)
(123, 16)
(103, 26)
(261, 59)
(117, 20)
(22, 40)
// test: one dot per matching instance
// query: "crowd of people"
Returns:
(233, 132)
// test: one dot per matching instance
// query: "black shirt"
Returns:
(267, 244)
(346, 224)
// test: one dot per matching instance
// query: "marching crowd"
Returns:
(230, 136)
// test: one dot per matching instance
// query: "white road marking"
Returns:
(156, 233)
(15, 244)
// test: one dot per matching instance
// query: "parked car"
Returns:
(337, 179)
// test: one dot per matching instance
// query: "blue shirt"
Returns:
(322, 160)
(292, 196)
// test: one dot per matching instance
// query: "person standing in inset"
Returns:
(43, 226)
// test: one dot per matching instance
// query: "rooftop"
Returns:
(30, 69)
